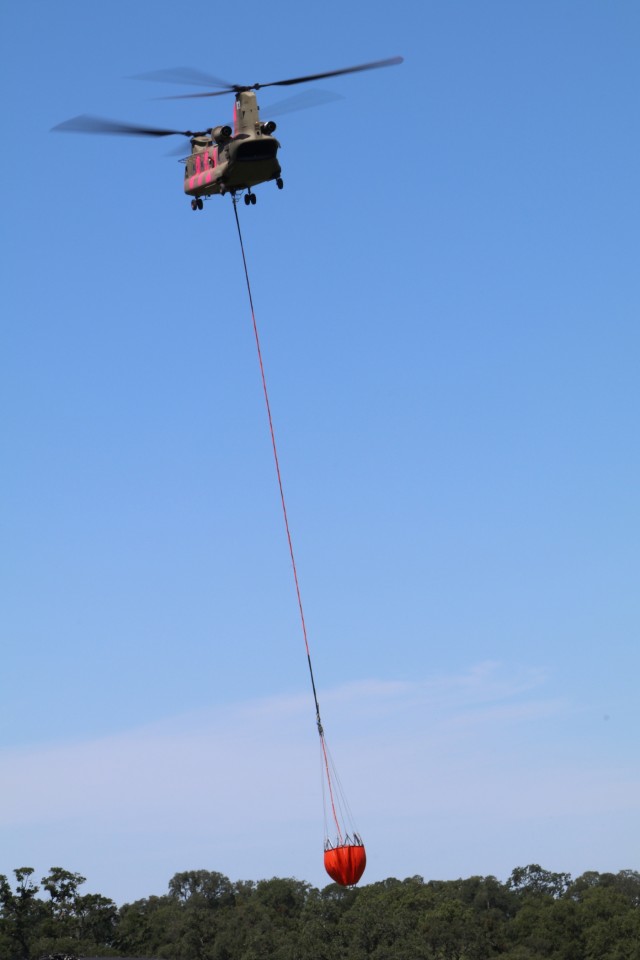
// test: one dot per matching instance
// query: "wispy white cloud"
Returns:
(209, 759)
(487, 747)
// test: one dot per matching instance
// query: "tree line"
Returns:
(535, 914)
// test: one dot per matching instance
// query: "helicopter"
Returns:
(224, 159)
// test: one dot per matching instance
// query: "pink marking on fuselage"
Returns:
(204, 165)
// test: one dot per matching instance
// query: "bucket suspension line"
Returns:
(325, 753)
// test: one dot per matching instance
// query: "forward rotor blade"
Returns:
(89, 124)
(392, 61)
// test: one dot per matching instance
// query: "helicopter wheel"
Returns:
(200, 203)
(280, 183)
(253, 198)
(247, 199)
(194, 204)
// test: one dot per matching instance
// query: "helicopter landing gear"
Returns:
(250, 198)
(280, 183)
(196, 203)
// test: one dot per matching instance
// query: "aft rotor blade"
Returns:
(195, 96)
(301, 101)
(237, 88)
(187, 75)
(89, 124)
(392, 61)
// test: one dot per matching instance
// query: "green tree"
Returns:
(62, 887)
(201, 888)
(323, 935)
(149, 927)
(21, 913)
(448, 931)
(493, 905)
(625, 882)
(549, 928)
(266, 920)
(96, 918)
(387, 920)
(534, 880)
(609, 922)
(73, 922)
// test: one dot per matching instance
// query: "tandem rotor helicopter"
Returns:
(223, 159)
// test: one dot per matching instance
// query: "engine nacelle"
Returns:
(221, 134)
(268, 127)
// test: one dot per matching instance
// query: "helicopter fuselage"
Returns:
(226, 160)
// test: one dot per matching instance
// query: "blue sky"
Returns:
(448, 294)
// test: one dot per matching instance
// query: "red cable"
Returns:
(286, 523)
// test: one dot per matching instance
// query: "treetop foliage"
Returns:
(535, 914)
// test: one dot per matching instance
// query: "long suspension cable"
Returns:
(286, 524)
